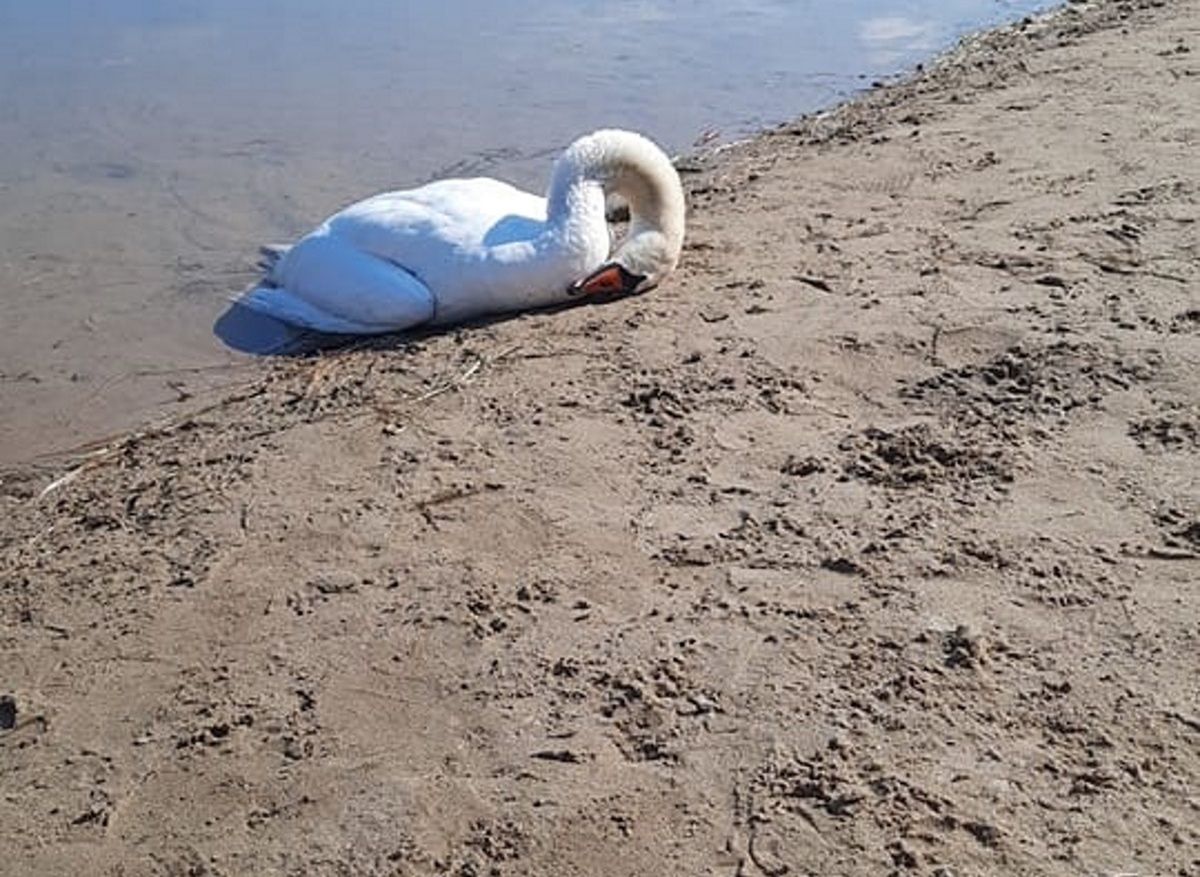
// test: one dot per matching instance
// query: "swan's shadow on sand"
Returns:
(248, 331)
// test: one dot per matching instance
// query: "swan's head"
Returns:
(638, 265)
(635, 168)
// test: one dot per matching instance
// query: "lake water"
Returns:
(147, 148)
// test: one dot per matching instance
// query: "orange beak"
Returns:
(610, 279)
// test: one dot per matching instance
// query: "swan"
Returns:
(458, 249)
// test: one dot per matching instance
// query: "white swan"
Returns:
(457, 249)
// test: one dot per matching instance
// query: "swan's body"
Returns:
(458, 249)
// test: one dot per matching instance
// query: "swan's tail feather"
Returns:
(277, 302)
(269, 255)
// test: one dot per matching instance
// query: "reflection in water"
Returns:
(891, 38)
(150, 147)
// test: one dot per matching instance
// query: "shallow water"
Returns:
(149, 148)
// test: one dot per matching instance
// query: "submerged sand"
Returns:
(868, 544)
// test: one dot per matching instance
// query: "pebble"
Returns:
(8, 712)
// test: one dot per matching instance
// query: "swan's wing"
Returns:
(441, 228)
(285, 306)
(326, 285)
(445, 251)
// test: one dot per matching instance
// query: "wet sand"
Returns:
(868, 544)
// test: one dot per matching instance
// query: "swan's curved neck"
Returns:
(575, 198)
(629, 165)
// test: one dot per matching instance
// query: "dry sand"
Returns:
(868, 544)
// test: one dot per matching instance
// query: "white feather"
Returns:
(458, 249)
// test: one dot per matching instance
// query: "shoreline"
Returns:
(144, 344)
(865, 545)
(169, 413)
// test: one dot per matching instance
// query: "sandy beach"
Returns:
(868, 544)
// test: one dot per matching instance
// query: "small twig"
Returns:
(1192, 723)
(39, 720)
(1162, 554)
(563, 756)
(62, 481)
(1171, 554)
(975, 212)
(819, 407)
(505, 353)
(454, 384)
(1110, 267)
(445, 496)
(1058, 516)
(815, 282)
(102, 451)
(933, 343)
